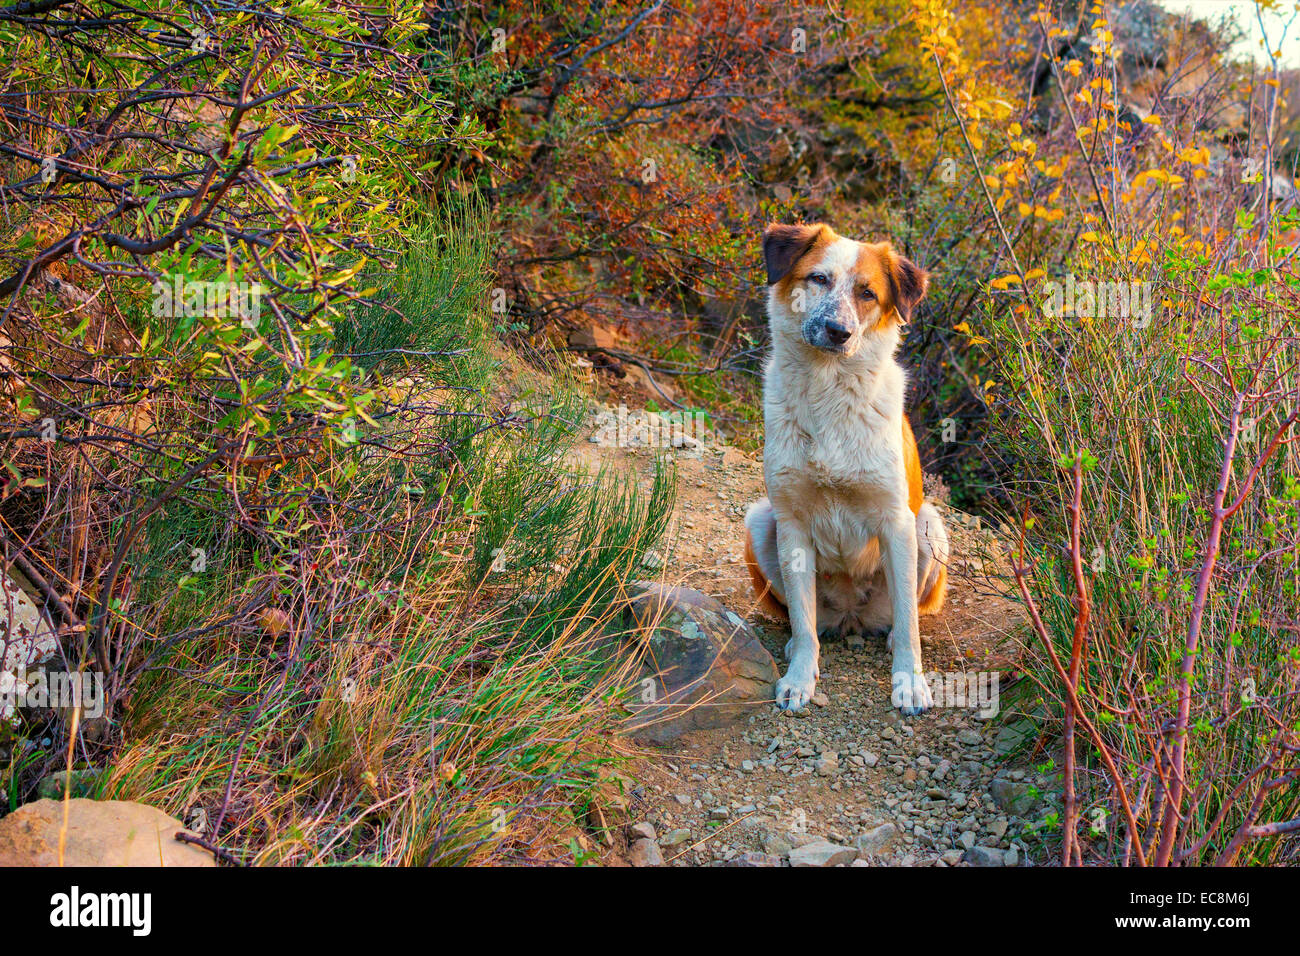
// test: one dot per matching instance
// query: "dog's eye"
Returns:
(818, 279)
(866, 293)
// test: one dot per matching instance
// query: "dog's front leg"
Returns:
(799, 575)
(910, 693)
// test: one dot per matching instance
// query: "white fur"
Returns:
(838, 541)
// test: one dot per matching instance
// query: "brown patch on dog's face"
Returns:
(831, 291)
(896, 282)
(785, 246)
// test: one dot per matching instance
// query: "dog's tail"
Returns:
(932, 543)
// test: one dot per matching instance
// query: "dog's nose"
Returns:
(838, 334)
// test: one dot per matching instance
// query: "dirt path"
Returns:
(849, 770)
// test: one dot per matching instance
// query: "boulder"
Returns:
(99, 833)
(703, 666)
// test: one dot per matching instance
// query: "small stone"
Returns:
(641, 831)
(970, 738)
(674, 837)
(984, 856)
(751, 858)
(822, 853)
(827, 765)
(645, 852)
(877, 839)
(1012, 856)
(1012, 796)
(967, 839)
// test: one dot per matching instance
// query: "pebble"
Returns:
(641, 831)
(645, 853)
(822, 853)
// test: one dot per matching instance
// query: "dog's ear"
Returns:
(908, 283)
(783, 246)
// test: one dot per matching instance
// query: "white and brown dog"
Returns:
(844, 541)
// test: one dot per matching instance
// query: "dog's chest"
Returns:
(846, 452)
(841, 480)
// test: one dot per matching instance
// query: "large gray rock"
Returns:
(703, 665)
(99, 833)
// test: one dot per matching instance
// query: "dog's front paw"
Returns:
(795, 689)
(911, 693)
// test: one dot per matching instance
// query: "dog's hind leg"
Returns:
(932, 557)
(763, 559)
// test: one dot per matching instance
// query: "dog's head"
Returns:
(831, 293)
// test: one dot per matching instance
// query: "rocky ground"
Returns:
(849, 781)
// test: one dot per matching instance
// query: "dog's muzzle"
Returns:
(829, 335)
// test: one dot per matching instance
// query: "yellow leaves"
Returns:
(1035, 274)
(1041, 212)
(1140, 253)
(1159, 176)
(1005, 282)
(1073, 67)
(1084, 96)
(343, 275)
(1052, 170)
(1090, 236)
(1014, 129)
(992, 182)
(1152, 120)
(972, 339)
(1195, 155)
